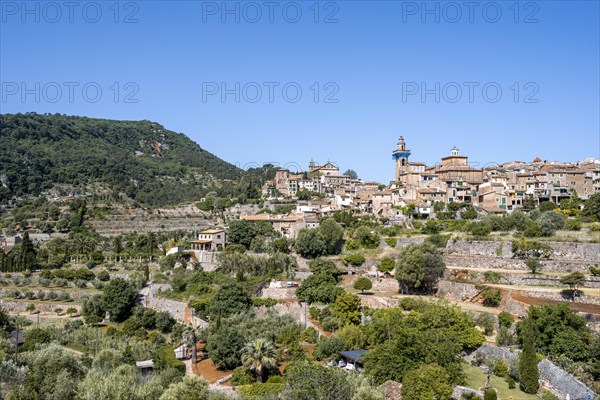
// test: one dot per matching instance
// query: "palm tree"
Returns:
(257, 355)
(191, 333)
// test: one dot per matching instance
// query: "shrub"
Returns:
(492, 276)
(573, 225)
(310, 335)
(351, 245)
(490, 394)
(432, 227)
(329, 347)
(330, 324)
(511, 383)
(80, 283)
(166, 358)
(480, 228)
(386, 265)
(259, 391)
(263, 302)
(438, 240)
(103, 276)
(505, 319)
(595, 270)
(391, 242)
(501, 369)
(355, 260)
(241, 376)
(492, 297)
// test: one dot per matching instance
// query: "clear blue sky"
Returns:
(376, 56)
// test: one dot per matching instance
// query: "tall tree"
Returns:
(419, 267)
(528, 363)
(331, 234)
(27, 253)
(119, 299)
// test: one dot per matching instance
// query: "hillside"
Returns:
(140, 159)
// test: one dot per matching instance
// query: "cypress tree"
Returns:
(27, 253)
(528, 364)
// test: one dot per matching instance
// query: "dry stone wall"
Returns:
(152, 300)
(566, 256)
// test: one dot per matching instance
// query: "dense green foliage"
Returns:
(59, 149)
(430, 334)
(362, 284)
(528, 363)
(427, 382)
(311, 381)
(119, 299)
(419, 267)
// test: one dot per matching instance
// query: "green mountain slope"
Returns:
(141, 159)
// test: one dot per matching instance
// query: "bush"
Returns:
(501, 369)
(492, 297)
(166, 359)
(263, 302)
(438, 240)
(573, 225)
(241, 376)
(391, 242)
(492, 276)
(480, 228)
(595, 270)
(330, 324)
(432, 227)
(310, 335)
(505, 319)
(103, 276)
(355, 260)
(490, 394)
(259, 391)
(329, 347)
(511, 383)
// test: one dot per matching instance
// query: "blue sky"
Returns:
(382, 68)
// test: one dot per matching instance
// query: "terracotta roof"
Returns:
(211, 231)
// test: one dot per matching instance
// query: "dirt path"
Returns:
(595, 292)
(534, 301)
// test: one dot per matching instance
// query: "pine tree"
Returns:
(528, 364)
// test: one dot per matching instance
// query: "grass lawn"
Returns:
(476, 379)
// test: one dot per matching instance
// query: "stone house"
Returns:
(210, 240)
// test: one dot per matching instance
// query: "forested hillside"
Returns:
(140, 159)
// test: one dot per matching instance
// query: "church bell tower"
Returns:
(400, 155)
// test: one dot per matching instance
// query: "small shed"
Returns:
(182, 352)
(353, 356)
(145, 366)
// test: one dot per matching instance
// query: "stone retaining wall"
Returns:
(280, 293)
(566, 256)
(455, 291)
(152, 300)
(558, 297)
(536, 280)
(20, 306)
